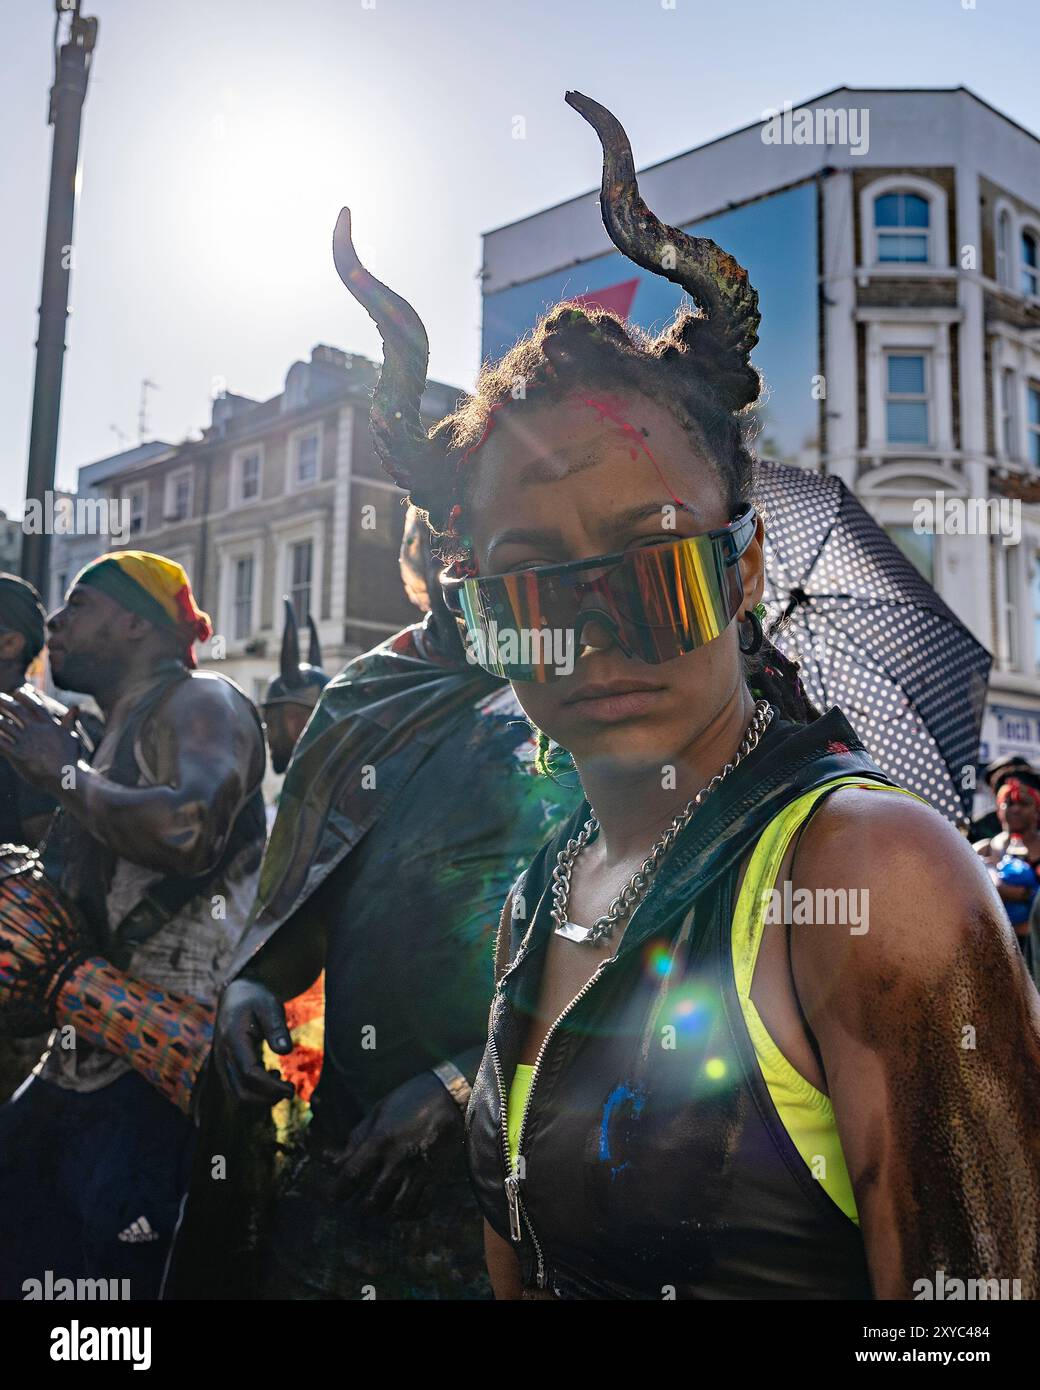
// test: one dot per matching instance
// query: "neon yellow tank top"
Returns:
(806, 1113)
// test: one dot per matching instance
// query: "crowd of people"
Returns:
(270, 1069)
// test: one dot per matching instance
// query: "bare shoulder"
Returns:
(207, 719)
(208, 690)
(879, 835)
(927, 893)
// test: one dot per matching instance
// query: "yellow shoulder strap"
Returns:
(805, 1112)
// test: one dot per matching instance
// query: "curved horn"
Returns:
(289, 664)
(717, 283)
(314, 654)
(400, 438)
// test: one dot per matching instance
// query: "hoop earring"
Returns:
(751, 647)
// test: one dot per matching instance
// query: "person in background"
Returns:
(292, 694)
(1013, 854)
(408, 808)
(157, 843)
(25, 809)
(1011, 764)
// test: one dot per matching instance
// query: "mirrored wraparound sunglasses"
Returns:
(657, 601)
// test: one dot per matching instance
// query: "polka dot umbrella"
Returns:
(872, 636)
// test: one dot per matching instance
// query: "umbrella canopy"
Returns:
(872, 636)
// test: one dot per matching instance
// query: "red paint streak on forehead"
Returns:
(608, 411)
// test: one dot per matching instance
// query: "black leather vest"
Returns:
(653, 1162)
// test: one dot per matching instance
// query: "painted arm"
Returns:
(929, 1028)
(502, 1266)
(209, 758)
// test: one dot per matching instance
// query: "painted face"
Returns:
(87, 640)
(1019, 816)
(563, 482)
(283, 724)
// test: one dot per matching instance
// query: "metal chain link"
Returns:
(639, 884)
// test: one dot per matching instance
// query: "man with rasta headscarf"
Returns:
(155, 850)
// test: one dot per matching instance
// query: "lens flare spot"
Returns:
(715, 1068)
(657, 959)
(691, 1011)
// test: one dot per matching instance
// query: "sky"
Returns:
(220, 140)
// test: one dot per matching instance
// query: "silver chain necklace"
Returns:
(637, 887)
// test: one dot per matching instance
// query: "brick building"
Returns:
(283, 496)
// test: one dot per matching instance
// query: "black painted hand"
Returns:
(411, 1140)
(249, 1014)
(42, 749)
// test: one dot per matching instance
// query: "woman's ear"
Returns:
(752, 567)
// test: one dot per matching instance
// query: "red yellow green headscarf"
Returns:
(153, 587)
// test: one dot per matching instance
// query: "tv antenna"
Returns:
(142, 414)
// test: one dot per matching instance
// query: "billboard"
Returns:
(775, 238)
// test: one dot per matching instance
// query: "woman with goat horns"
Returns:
(760, 1029)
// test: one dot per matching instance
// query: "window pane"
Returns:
(918, 547)
(915, 210)
(901, 210)
(906, 376)
(1003, 233)
(907, 422)
(894, 246)
(1029, 248)
(251, 476)
(243, 618)
(1007, 411)
(307, 459)
(301, 558)
(1034, 406)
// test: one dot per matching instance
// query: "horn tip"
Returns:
(344, 256)
(600, 118)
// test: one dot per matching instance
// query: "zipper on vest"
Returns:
(512, 1182)
(517, 1210)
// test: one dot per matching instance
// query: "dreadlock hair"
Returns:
(576, 348)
